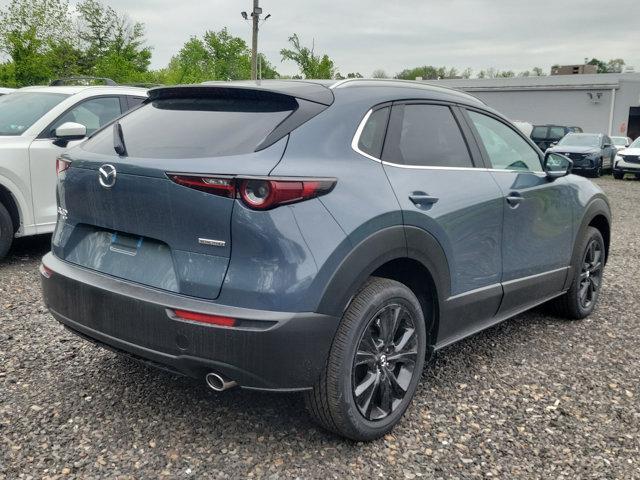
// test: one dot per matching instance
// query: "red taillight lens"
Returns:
(219, 186)
(45, 271)
(204, 318)
(62, 165)
(258, 193)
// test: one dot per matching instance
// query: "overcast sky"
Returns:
(393, 34)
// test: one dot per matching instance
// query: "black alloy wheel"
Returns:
(384, 362)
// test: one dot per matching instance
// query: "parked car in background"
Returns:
(628, 161)
(323, 237)
(4, 91)
(591, 153)
(546, 135)
(37, 124)
(621, 142)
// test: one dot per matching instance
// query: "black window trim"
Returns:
(48, 134)
(477, 159)
(485, 155)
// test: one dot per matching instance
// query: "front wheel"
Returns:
(618, 175)
(597, 173)
(581, 298)
(6, 231)
(374, 365)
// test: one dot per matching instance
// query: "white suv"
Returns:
(37, 124)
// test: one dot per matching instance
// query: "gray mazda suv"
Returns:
(321, 237)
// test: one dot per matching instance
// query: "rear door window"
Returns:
(425, 135)
(196, 127)
(372, 136)
(556, 133)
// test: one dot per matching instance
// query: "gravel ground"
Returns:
(535, 397)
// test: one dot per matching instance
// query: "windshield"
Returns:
(20, 110)
(580, 140)
(620, 141)
(636, 143)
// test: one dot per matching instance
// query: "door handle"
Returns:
(421, 198)
(514, 199)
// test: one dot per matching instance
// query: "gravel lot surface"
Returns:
(535, 397)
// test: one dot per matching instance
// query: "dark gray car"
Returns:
(591, 153)
(319, 237)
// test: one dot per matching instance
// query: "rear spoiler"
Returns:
(309, 91)
(311, 99)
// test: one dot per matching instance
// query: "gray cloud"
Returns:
(393, 34)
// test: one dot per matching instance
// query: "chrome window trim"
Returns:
(356, 140)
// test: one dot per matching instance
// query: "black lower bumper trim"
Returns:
(287, 355)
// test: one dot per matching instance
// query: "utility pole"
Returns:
(255, 21)
(255, 17)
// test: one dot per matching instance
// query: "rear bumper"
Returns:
(267, 351)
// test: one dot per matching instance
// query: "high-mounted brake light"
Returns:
(205, 318)
(256, 192)
(62, 165)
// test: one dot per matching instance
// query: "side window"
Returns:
(539, 133)
(93, 113)
(506, 149)
(425, 135)
(556, 133)
(133, 102)
(606, 140)
(372, 135)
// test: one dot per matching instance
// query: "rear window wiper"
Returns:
(118, 140)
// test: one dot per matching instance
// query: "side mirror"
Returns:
(556, 165)
(69, 131)
(553, 144)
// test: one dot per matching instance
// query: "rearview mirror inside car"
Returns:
(556, 165)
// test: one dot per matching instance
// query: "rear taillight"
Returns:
(62, 165)
(45, 271)
(258, 193)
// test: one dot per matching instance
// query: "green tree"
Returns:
(602, 66)
(310, 64)
(30, 31)
(538, 72)
(113, 46)
(615, 65)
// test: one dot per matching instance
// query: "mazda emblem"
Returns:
(107, 176)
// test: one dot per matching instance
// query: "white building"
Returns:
(601, 103)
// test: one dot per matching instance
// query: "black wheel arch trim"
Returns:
(388, 244)
(598, 206)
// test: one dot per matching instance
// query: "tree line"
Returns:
(42, 40)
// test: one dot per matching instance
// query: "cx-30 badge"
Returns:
(107, 176)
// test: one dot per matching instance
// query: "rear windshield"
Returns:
(195, 127)
(539, 132)
(20, 110)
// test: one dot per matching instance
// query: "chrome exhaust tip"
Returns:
(219, 383)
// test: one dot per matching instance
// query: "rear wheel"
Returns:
(581, 298)
(374, 365)
(6, 231)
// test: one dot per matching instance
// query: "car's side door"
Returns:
(93, 113)
(432, 170)
(538, 214)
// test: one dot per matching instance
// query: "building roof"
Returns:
(551, 82)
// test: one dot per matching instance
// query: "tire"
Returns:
(597, 173)
(332, 402)
(618, 175)
(571, 305)
(6, 231)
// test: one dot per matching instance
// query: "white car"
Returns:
(627, 161)
(37, 124)
(621, 142)
(4, 91)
